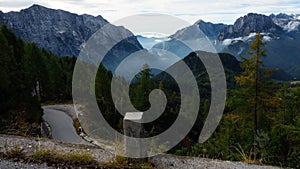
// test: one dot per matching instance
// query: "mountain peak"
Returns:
(37, 7)
(43, 10)
(198, 22)
(283, 15)
(209, 29)
(250, 23)
(254, 22)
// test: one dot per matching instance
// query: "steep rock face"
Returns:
(62, 32)
(209, 29)
(59, 31)
(248, 24)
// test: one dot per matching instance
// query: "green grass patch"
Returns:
(15, 153)
(53, 158)
(123, 162)
(49, 103)
(76, 125)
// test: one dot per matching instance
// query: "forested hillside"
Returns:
(260, 124)
(261, 121)
(29, 76)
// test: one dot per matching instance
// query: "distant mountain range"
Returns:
(64, 34)
(281, 32)
(148, 40)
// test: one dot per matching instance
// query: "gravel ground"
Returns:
(29, 145)
(176, 162)
(8, 164)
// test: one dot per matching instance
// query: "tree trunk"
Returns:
(256, 98)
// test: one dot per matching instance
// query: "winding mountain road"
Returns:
(61, 125)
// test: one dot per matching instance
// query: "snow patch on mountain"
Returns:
(267, 38)
(287, 22)
(251, 36)
(158, 40)
(152, 35)
(61, 31)
(292, 26)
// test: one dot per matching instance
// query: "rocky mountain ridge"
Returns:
(58, 31)
(287, 22)
(64, 33)
(248, 24)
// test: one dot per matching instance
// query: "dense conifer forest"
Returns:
(260, 124)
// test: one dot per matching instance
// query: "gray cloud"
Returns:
(189, 10)
(15, 4)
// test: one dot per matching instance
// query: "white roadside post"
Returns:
(133, 128)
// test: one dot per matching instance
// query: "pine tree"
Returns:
(6, 62)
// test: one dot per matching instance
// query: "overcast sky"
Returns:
(225, 11)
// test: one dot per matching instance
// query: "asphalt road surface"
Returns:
(62, 126)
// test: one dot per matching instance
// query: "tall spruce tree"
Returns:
(256, 94)
(144, 85)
